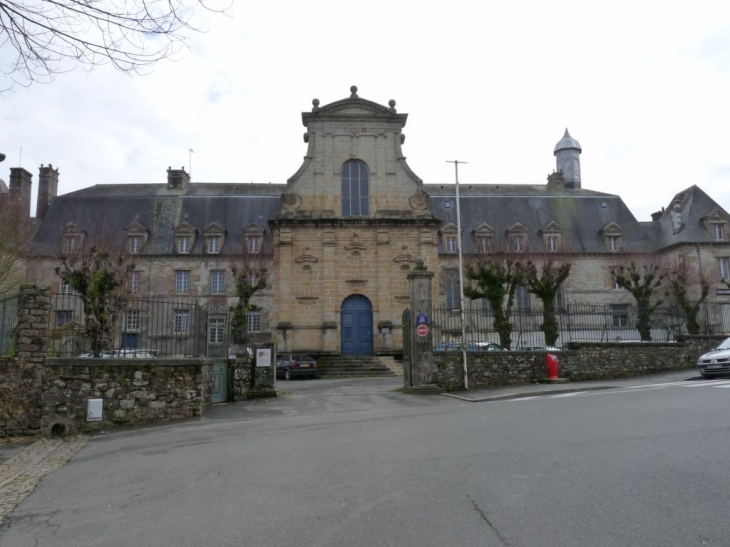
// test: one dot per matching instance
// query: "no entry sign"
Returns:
(422, 330)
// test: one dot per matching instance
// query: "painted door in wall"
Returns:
(220, 382)
(356, 326)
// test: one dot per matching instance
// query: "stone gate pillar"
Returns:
(421, 334)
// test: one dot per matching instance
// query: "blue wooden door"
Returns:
(356, 326)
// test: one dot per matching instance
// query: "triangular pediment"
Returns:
(518, 228)
(551, 227)
(449, 228)
(185, 228)
(214, 228)
(484, 229)
(135, 227)
(72, 228)
(612, 229)
(253, 228)
(716, 214)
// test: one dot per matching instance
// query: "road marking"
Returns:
(568, 394)
(527, 398)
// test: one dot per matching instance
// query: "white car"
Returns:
(715, 362)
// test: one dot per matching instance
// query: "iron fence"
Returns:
(8, 322)
(577, 322)
(139, 327)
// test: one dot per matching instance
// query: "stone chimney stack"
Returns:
(177, 179)
(20, 186)
(47, 189)
(567, 159)
(555, 181)
(656, 216)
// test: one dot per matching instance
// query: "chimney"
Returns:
(47, 189)
(177, 179)
(555, 181)
(20, 185)
(656, 216)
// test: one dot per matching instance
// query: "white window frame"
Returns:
(182, 321)
(719, 231)
(620, 315)
(451, 246)
(518, 244)
(134, 282)
(217, 282)
(182, 281)
(723, 267)
(183, 245)
(484, 244)
(216, 330)
(132, 320)
(254, 321)
(214, 245)
(552, 242)
(253, 243)
(613, 243)
(135, 244)
(522, 297)
(71, 243)
(64, 288)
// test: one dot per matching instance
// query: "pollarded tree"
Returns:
(98, 270)
(544, 275)
(680, 277)
(45, 37)
(496, 276)
(251, 274)
(641, 277)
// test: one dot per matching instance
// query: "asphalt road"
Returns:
(353, 463)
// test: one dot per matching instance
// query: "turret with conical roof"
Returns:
(567, 159)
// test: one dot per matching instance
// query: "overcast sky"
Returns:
(644, 87)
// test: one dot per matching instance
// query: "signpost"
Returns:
(422, 330)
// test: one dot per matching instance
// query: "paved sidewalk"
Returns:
(532, 390)
(21, 473)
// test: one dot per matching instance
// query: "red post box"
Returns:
(551, 361)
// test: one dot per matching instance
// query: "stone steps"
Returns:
(344, 367)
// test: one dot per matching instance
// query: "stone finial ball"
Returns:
(419, 264)
(315, 102)
(353, 89)
(391, 103)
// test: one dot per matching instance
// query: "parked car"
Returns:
(489, 346)
(106, 354)
(715, 362)
(297, 365)
(540, 348)
(136, 354)
(456, 346)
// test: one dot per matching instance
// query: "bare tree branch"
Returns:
(52, 36)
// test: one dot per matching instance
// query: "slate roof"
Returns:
(581, 213)
(160, 210)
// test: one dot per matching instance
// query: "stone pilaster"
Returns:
(422, 362)
(34, 306)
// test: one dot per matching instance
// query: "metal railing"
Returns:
(142, 327)
(8, 322)
(578, 322)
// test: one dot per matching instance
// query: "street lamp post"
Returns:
(461, 272)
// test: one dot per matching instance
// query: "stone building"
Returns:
(348, 226)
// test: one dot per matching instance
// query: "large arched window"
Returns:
(355, 189)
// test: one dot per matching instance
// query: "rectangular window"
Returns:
(214, 245)
(254, 321)
(182, 321)
(451, 245)
(615, 285)
(182, 281)
(453, 290)
(723, 265)
(64, 317)
(552, 243)
(183, 245)
(486, 308)
(719, 230)
(71, 243)
(620, 314)
(613, 243)
(64, 288)
(217, 282)
(518, 244)
(483, 244)
(253, 279)
(522, 298)
(215, 331)
(133, 283)
(560, 299)
(135, 245)
(132, 320)
(254, 244)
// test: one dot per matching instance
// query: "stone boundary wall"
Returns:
(583, 361)
(134, 392)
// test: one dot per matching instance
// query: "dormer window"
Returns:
(517, 238)
(71, 244)
(72, 239)
(448, 238)
(484, 238)
(214, 245)
(451, 244)
(183, 244)
(719, 231)
(552, 237)
(135, 245)
(253, 238)
(611, 233)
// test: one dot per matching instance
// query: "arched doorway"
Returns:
(356, 326)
